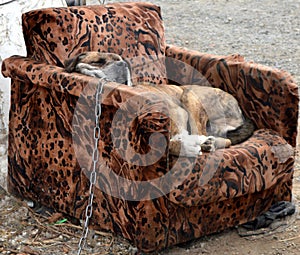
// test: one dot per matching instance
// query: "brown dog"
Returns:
(202, 118)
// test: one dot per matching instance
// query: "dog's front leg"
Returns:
(187, 145)
(90, 70)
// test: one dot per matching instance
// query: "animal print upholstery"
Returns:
(51, 35)
(154, 203)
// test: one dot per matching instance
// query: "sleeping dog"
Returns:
(202, 118)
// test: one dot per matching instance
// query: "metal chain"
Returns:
(93, 174)
(95, 158)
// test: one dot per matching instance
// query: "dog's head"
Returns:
(109, 66)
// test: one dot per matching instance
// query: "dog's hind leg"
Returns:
(197, 115)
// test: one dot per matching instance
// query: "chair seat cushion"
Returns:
(133, 30)
(250, 167)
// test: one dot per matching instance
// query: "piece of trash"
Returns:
(61, 221)
(30, 203)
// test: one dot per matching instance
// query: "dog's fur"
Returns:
(202, 118)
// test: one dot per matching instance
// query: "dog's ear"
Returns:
(71, 63)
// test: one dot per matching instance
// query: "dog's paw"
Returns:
(190, 145)
(192, 150)
(209, 144)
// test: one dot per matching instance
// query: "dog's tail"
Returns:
(242, 133)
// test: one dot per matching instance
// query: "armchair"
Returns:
(151, 198)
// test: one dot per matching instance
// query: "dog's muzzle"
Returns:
(117, 71)
(123, 65)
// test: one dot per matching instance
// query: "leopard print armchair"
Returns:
(142, 193)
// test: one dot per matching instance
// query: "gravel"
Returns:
(267, 32)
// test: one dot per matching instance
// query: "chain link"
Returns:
(93, 174)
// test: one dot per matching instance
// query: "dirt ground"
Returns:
(267, 32)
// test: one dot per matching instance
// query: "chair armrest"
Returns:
(42, 74)
(134, 123)
(266, 95)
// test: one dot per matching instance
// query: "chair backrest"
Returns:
(133, 30)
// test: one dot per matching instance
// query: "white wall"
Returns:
(11, 36)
